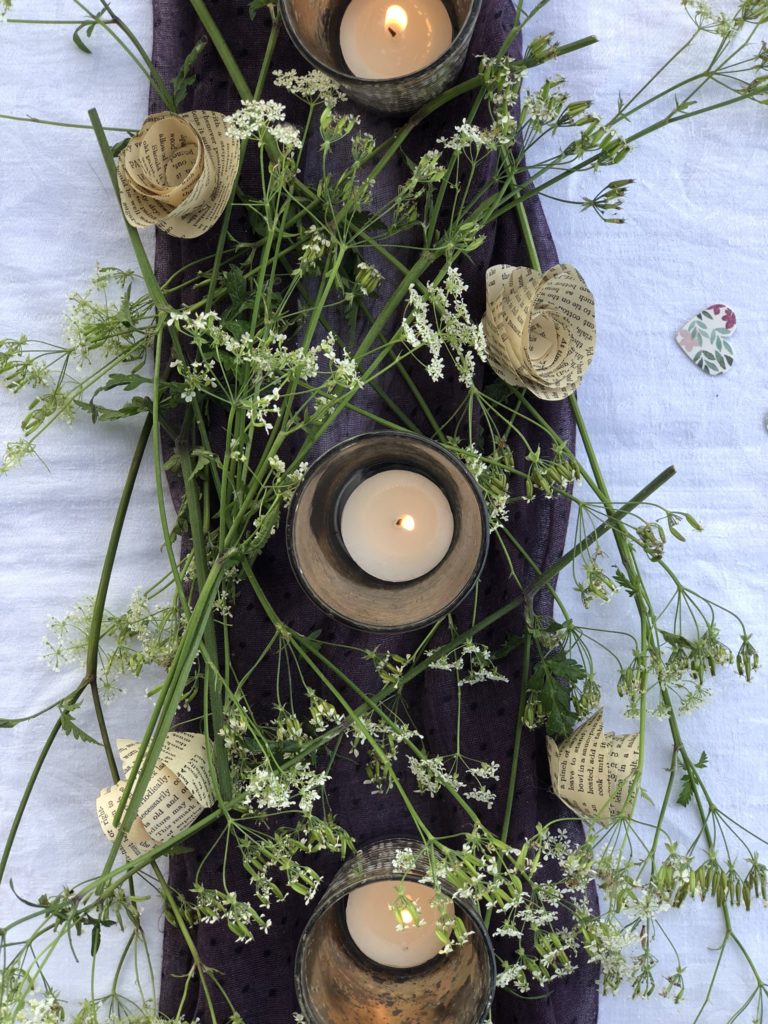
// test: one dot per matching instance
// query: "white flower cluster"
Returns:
(15, 453)
(544, 106)
(105, 320)
(257, 118)
(433, 773)
(214, 905)
(198, 376)
(439, 321)
(404, 860)
(312, 87)
(342, 365)
(491, 474)
(472, 663)
(267, 788)
(322, 714)
(467, 136)
(47, 1010)
(367, 278)
(313, 249)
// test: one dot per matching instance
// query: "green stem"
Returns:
(147, 271)
(214, 34)
(94, 635)
(164, 710)
(61, 124)
(211, 673)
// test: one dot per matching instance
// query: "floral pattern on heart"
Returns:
(705, 339)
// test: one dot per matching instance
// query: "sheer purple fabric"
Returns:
(258, 976)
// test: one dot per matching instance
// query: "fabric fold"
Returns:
(258, 976)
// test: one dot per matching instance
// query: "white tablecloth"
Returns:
(694, 236)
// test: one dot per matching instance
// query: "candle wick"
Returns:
(391, 31)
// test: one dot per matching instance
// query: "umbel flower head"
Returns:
(177, 172)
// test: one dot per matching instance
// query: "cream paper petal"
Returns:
(178, 172)
(506, 329)
(184, 753)
(222, 157)
(138, 840)
(178, 790)
(540, 328)
(165, 160)
(591, 770)
(165, 145)
(167, 806)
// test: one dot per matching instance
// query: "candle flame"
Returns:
(406, 917)
(406, 523)
(396, 19)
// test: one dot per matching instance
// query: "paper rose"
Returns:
(179, 789)
(592, 770)
(177, 172)
(540, 328)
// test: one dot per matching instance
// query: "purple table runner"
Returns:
(258, 976)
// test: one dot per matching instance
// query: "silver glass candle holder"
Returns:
(315, 28)
(319, 549)
(336, 983)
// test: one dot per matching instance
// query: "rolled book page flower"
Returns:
(540, 328)
(592, 770)
(177, 172)
(179, 789)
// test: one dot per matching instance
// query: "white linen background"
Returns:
(694, 236)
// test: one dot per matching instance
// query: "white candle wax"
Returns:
(382, 39)
(374, 927)
(397, 525)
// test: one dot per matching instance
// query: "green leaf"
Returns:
(237, 288)
(509, 645)
(118, 147)
(689, 780)
(103, 414)
(551, 684)
(89, 26)
(186, 77)
(623, 580)
(70, 727)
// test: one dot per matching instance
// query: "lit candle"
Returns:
(397, 525)
(380, 39)
(385, 927)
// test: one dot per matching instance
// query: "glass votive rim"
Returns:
(346, 78)
(358, 872)
(314, 30)
(313, 535)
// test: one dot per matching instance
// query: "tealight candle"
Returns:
(387, 931)
(387, 531)
(380, 39)
(365, 957)
(397, 525)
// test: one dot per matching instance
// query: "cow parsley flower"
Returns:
(312, 87)
(256, 117)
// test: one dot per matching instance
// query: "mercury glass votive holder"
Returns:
(337, 984)
(314, 28)
(330, 576)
